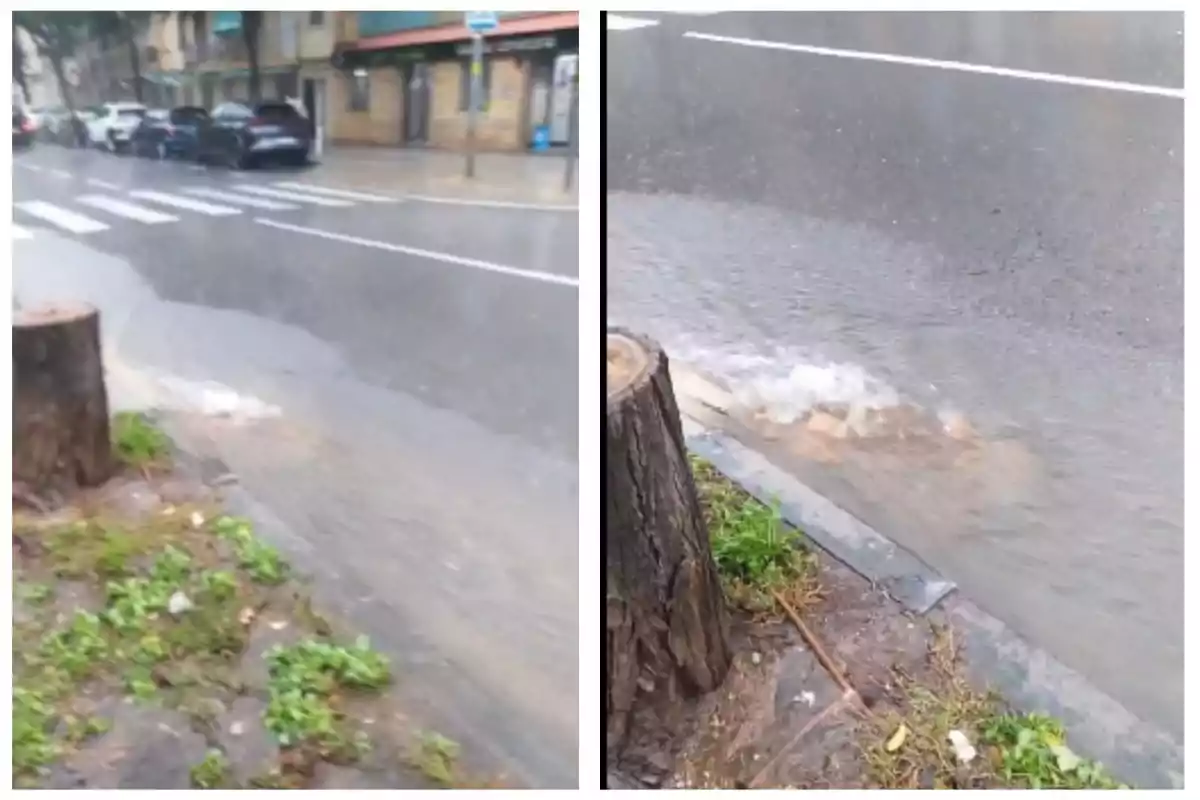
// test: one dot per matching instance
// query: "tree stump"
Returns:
(60, 405)
(667, 625)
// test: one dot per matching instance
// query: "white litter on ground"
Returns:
(963, 749)
(178, 604)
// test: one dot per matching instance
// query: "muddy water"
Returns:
(1064, 519)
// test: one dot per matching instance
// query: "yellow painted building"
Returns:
(410, 87)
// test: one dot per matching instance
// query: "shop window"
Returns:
(485, 93)
(359, 96)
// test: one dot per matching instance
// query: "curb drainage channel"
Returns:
(908, 579)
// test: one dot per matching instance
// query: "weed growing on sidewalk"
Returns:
(304, 679)
(137, 442)
(756, 552)
(913, 749)
(159, 612)
(212, 772)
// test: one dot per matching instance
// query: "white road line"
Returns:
(127, 210)
(67, 220)
(344, 194)
(954, 66)
(242, 200)
(299, 198)
(487, 266)
(613, 22)
(454, 201)
(21, 233)
(30, 167)
(61, 173)
(99, 184)
(186, 203)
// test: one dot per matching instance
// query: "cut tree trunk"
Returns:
(667, 625)
(60, 405)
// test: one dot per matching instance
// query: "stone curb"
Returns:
(1099, 727)
(906, 578)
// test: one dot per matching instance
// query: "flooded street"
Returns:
(404, 427)
(998, 258)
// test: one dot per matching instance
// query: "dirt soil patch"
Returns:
(854, 693)
(158, 643)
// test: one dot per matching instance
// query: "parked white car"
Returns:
(114, 124)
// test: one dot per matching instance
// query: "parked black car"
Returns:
(23, 130)
(240, 136)
(169, 134)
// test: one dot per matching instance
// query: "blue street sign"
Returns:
(480, 21)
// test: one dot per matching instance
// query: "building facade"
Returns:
(106, 65)
(402, 78)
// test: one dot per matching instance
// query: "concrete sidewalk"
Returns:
(499, 177)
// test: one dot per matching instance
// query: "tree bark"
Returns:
(251, 25)
(60, 405)
(78, 129)
(667, 625)
(135, 58)
(19, 66)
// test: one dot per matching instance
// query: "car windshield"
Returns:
(131, 113)
(188, 114)
(234, 110)
(275, 111)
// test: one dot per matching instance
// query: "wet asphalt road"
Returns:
(421, 451)
(1007, 247)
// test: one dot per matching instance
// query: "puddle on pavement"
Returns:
(936, 467)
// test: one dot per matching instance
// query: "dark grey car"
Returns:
(240, 136)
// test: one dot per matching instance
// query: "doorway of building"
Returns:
(313, 97)
(565, 67)
(416, 104)
(541, 79)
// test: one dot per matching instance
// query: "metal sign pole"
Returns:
(573, 135)
(475, 99)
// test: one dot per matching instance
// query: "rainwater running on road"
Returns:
(394, 383)
(818, 226)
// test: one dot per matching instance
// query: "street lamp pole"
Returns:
(474, 99)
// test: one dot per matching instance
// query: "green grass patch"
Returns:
(305, 680)
(1014, 751)
(137, 442)
(755, 551)
(260, 560)
(212, 772)
(1033, 754)
(436, 757)
(168, 623)
(166, 605)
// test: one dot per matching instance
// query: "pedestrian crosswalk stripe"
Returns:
(124, 209)
(230, 197)
(299, 198)
(21, 233)
(186, 203)
(67, 220)
(344, 194)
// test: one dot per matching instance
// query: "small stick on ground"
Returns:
(818, 649)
